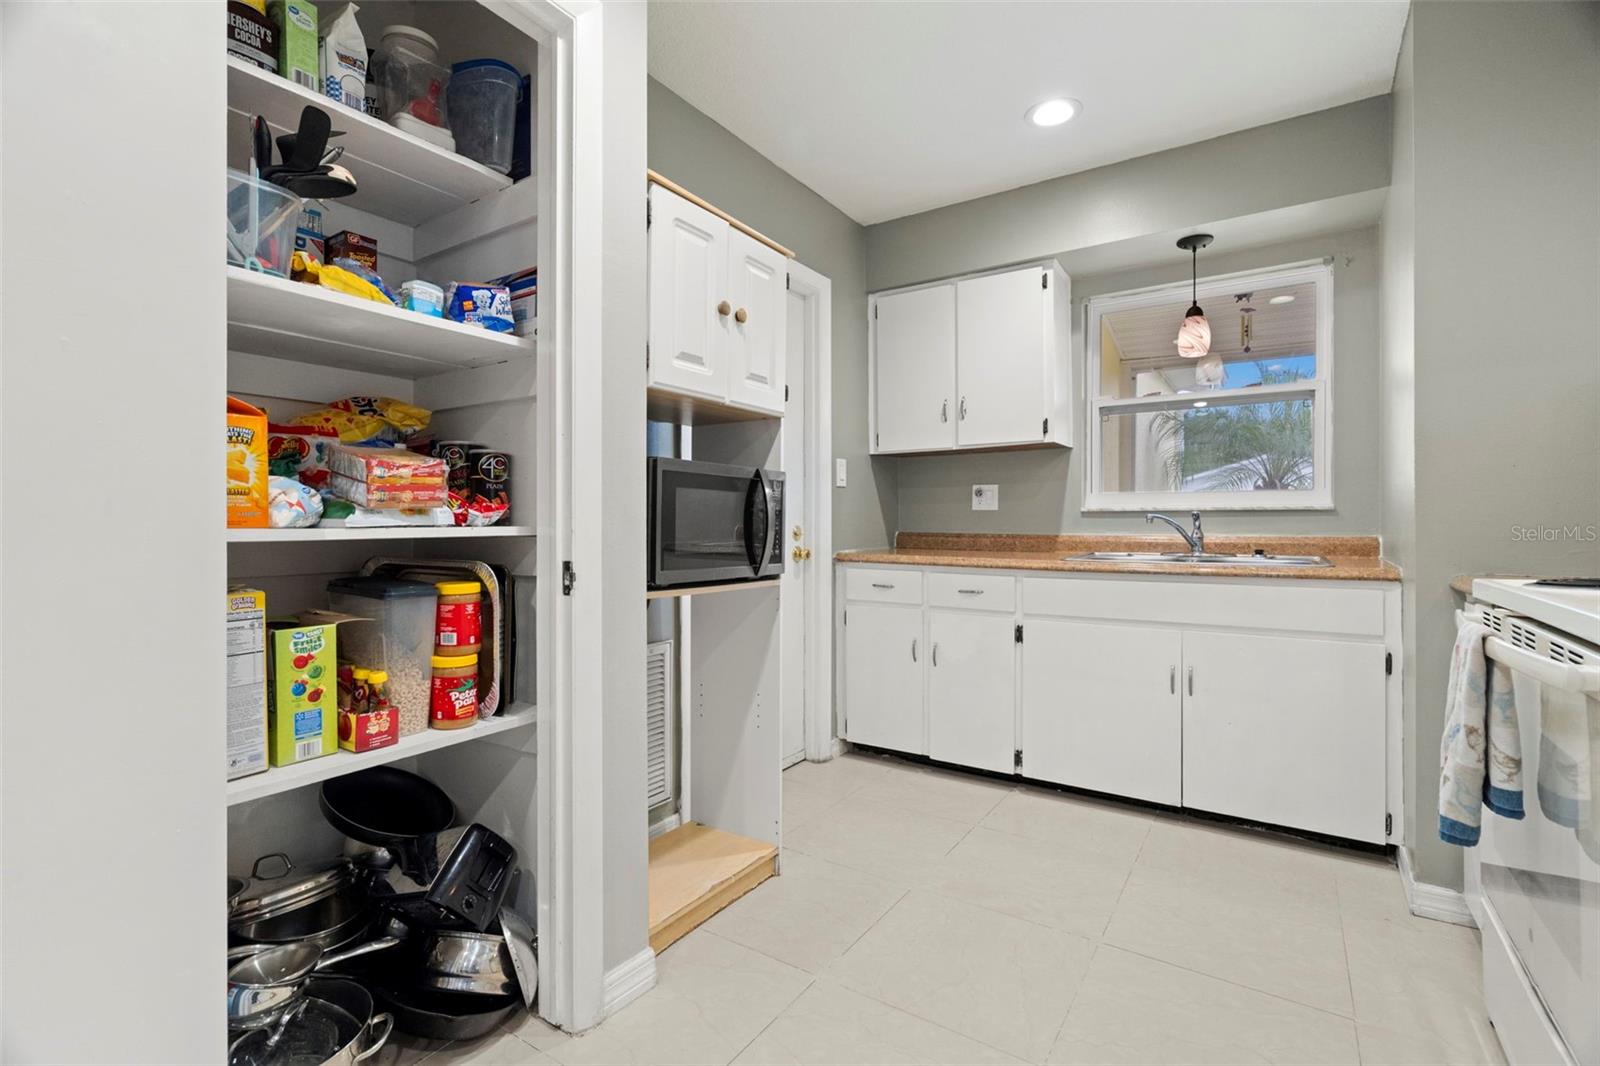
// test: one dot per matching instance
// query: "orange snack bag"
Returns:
(247, 466)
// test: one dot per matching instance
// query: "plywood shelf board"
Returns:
(316, 534)
(696, 871)
(307, 323)
(284, 778)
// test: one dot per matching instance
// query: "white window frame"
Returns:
(1318, 389)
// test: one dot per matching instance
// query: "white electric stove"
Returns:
(1534, 884)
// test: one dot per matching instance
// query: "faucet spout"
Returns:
(1196, 540)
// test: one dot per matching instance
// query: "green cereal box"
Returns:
(296, 23)
(302, 687)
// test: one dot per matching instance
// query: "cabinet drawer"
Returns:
(1225, 603)
(883, 586)
(979, 592)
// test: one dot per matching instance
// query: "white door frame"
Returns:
(817, 435)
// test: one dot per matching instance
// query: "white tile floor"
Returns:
(925, 916)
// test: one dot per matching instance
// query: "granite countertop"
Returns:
(1353, 558)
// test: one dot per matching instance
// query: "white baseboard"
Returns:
(627, 981)
(1433, 901)
(665, 825)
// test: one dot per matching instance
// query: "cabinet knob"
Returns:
(724, 308)
(741, 315)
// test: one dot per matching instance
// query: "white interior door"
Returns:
(1286, 730)
(1101, 708)
(688, 283)
(914, 350)
(972, 688)
(1000, 358)
(755, 331)
(798, 573)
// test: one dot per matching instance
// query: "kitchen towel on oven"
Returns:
(1563, 783)
(1480, 755)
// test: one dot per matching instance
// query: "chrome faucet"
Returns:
(1196, 540)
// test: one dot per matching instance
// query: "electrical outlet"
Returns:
(986, 497)
(838, 473)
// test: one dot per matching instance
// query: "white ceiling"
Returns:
(890, 108)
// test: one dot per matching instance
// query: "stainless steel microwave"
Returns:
(711, 523)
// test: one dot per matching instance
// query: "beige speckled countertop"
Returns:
(1353, 558)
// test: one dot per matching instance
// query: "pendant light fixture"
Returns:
(1194, 336)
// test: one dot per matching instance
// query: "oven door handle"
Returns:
(1561, 676)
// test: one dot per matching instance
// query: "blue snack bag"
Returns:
(485, 306)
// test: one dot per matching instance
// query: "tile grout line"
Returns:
(1213, 977)
(1073, 1002)
(1349, 976)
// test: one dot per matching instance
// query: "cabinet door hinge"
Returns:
(786, 394)
(648, 212)
(1016, 760)
(1044, 281)
(569, 578)
(874, 440)
(1388, 663)
(874, 311)
(647, 356)
(786, 281)
(1019, 633)
(1388, 825)
(1047, 427)
(846, 617)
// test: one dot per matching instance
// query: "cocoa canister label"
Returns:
(491, 473)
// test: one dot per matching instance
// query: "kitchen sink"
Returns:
(1202, 559)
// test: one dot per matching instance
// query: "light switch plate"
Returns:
(986, 497)
(838, 473)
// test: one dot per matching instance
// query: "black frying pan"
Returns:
(445, 1015)
(385, 806)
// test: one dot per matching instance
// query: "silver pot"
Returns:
(336, 1027)
(468, 962)
(265, 982)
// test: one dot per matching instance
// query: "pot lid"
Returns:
(520, 939)
(289, 888)
(314, 1037)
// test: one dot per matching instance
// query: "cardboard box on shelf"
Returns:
(296, 23)
(302, 686)
(246, 466)
(247, 681)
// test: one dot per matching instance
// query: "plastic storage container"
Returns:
(411, 84)
(398, 639)
(483, 110)
(262, 219)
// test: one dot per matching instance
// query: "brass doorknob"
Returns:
(741, 315)
(800, 555)
(724, 308)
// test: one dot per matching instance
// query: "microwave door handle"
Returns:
(758, 540)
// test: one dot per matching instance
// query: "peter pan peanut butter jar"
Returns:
(454, 698)
(458, 629)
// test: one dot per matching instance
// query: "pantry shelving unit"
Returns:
(292, 347)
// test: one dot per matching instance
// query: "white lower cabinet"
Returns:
(1290, 727)
(1287, 730)
(1101, 708)
(884, 652)
(972, 689)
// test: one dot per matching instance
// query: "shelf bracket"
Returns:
(569, 577)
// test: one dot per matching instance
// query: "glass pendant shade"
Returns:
(1194, 336)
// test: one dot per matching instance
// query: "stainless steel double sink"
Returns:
(1200, 558)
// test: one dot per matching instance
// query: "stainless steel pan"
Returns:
(266, 982)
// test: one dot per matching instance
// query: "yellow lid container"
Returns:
(459, 588)
(378, 677)
(454, 662)
(361, 673)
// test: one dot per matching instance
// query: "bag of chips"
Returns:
(362, 419)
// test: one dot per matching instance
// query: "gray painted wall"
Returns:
(705, 158)
(1300, 160)
(1042, 491)
(1506, 124)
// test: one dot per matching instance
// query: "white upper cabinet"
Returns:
(914, 344)
(717, 308)
(757, 281)
(688, 277)
(977, 362)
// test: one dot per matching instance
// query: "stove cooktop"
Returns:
(1573, 609)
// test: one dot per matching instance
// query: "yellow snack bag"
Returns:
(246, 466)
(367, 418)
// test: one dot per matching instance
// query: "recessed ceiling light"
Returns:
(1053, 112)
(1286, 298)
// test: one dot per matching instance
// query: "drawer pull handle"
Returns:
(944, 411)
(881, 585)
(1172, 680)
(970, 592)
(1191, 681)
(913, 649)
(936, 653)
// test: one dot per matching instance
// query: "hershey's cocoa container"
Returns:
(491, 474)
(458, 477)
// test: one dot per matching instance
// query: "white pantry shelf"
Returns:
(316, 534)
(398, 175)
(341, 762)
(287, 319)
